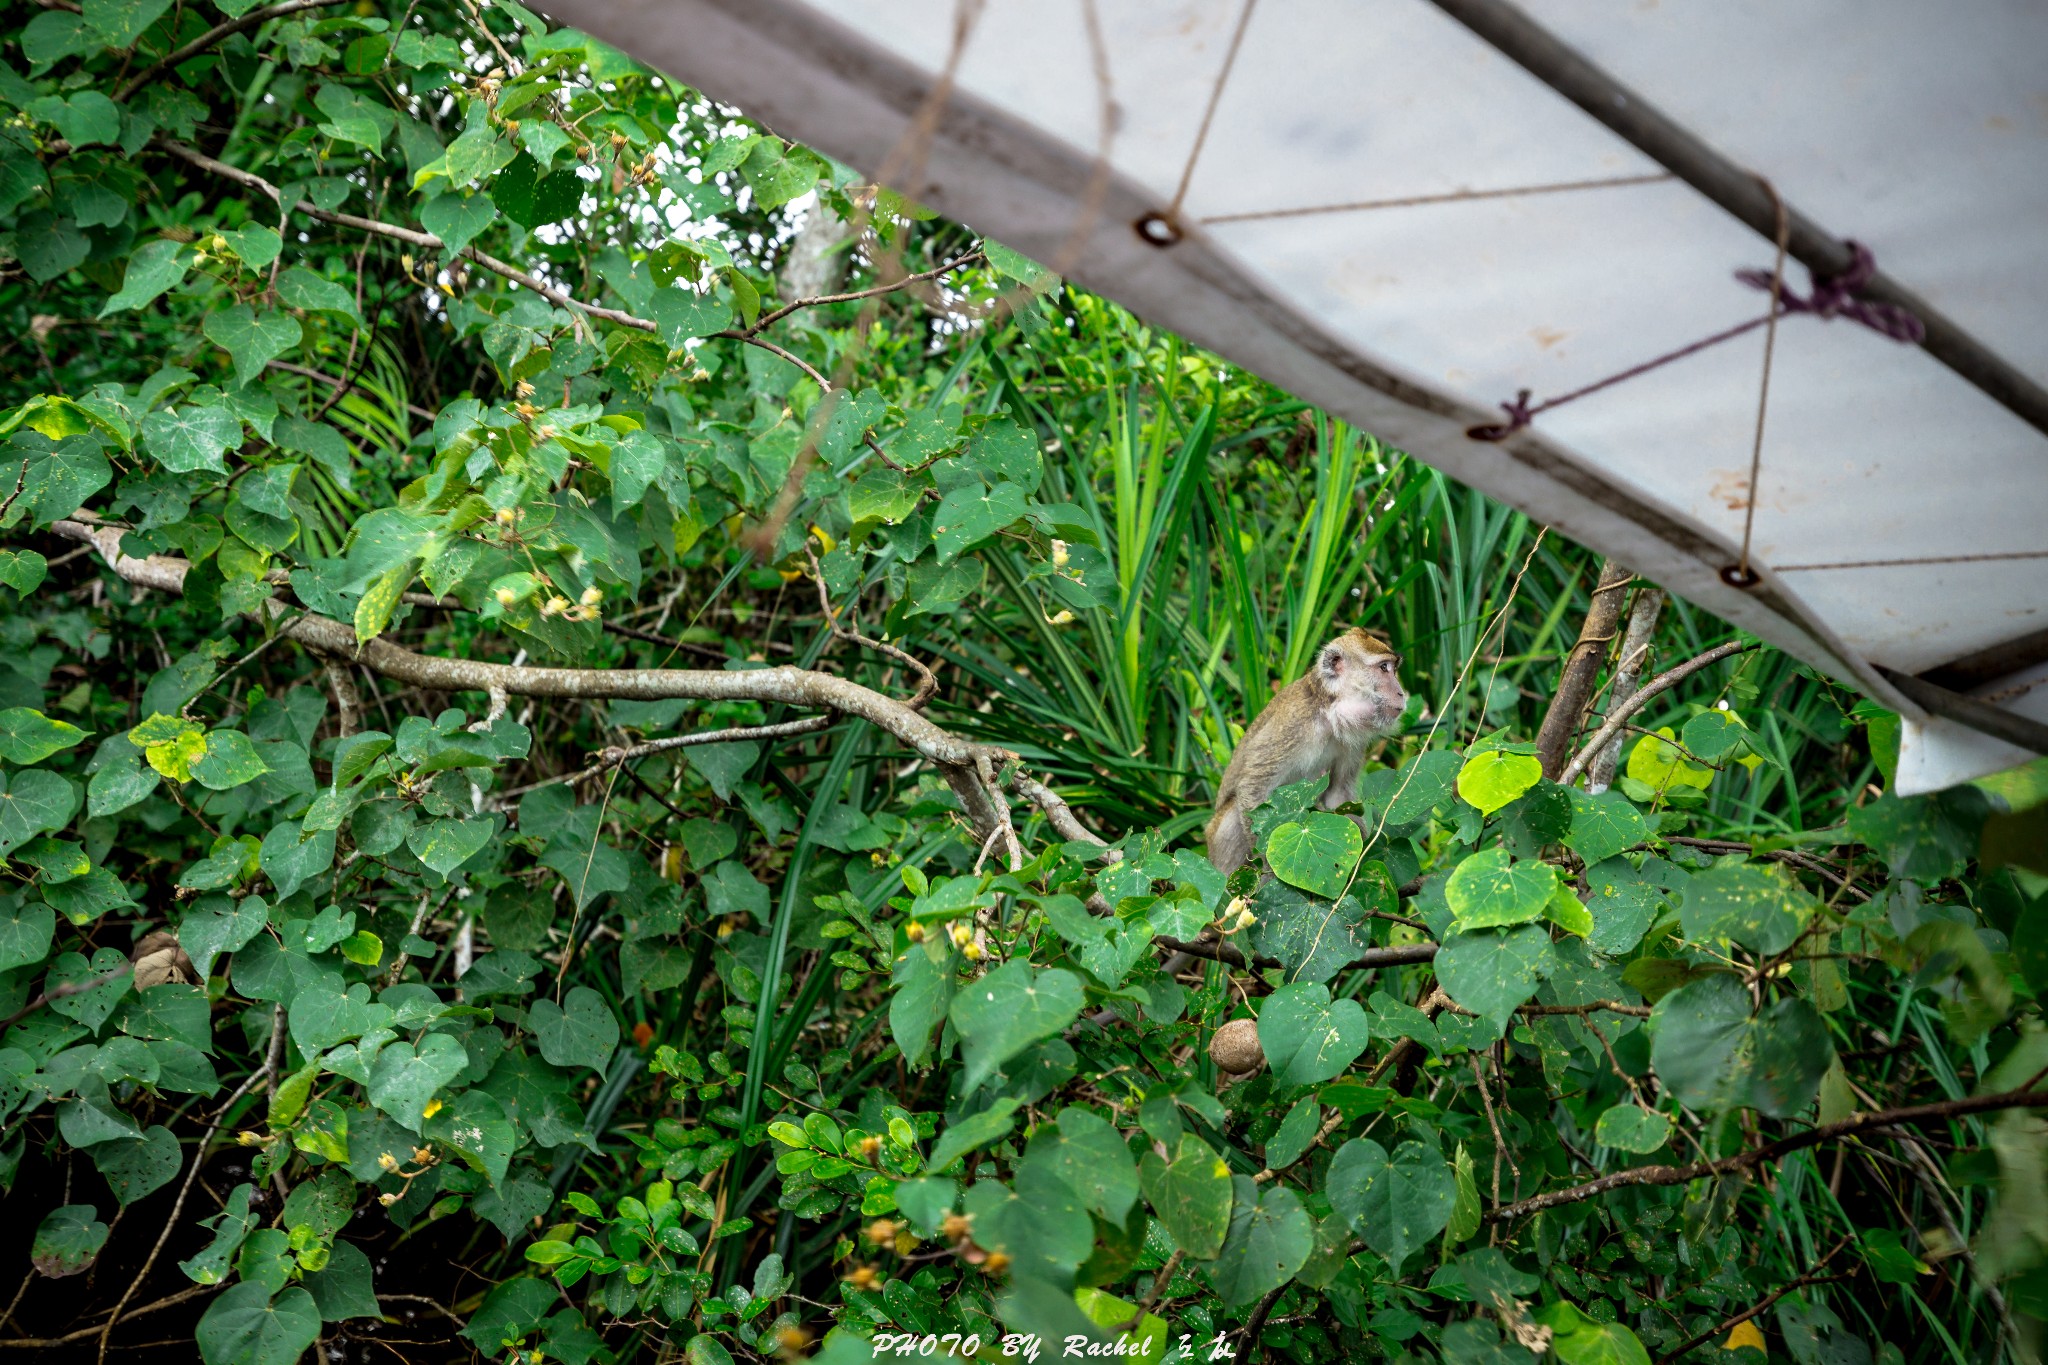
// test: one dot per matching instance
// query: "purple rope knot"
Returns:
(1520, 413)
(1835, 297)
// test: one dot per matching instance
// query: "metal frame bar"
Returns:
(1981, 716)
(1686, 155)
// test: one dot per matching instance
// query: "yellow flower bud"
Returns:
(506, 597)
(592, 596)
(1059, 554)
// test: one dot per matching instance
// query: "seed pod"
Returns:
(1235, 1048)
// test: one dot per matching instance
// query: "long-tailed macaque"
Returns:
(1320, 722)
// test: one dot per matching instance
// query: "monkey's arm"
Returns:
(1343, 776)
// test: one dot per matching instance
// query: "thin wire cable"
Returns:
(1745, 574)
(1187, 172)
(1907, 563)
(1449, 197)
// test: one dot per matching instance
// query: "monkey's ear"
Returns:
(1331, 661)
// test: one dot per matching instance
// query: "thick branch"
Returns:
(1628, 676)
(1772, 1151)
(1582, 667)
(788, 685)
(1617, 716)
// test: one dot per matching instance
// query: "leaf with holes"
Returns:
(1191, 1194)
(972, 513)
(67, 1241)
(1492, 779)
(1489, 890)
(1308, 1037)
(192, 440)
(1316, 853)
(1396, 1202)
(245, 1326)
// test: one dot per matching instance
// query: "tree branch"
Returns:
(1568, 704)
(1772, 1151)
(966, 764)
(1618, 715)
(253, 19)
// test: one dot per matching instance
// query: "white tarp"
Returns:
(1921, 131)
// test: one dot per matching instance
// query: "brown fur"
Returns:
(1320, 722)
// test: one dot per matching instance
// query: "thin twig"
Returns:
(253, 19)
(171, 1222)
(1772, 1151)
(1811, 1277)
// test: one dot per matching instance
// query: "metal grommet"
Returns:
(1157, 229)
(1740, 576)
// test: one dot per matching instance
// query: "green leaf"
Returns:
(343, 1288)
(1308, 1037)
(1579, 1340)
(1491, 778)
(23, 570)
(1191, 1195)
(684, 314)
(479, 152)
(1604, 825)
(1632, 1128)
(975, 1130)
(67, 1241)
(1008, 1010)
(1090, 1156)
(885, 495)
(301, 288)
(25, 933)
(1713, 1055)
(168, 1010)
(153, 269)
(28, 736)
(256, 245)
(475, 1125)
(1317, 853)
(406, 1075)
(254, 340)
(923, 980)
(230, 1226)
(1314, 939)
(972, 513)
(109, 966)
(1292, 1138)
(192, 440)
(290, 857)
(446, 845)
(1756, 905)
(229, 761)
(1397, 1203)
(139, 1166)
(118, 23)
(32, 802)
(1271, 1236)
(245, 1326)
(323, 1015)
(1003, 451)
(323, 1202)
(1488, 890)
(1492, 971)
(582, 1031)
(86, 118)
(220, 925)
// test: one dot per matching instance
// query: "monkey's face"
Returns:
(1361, 673)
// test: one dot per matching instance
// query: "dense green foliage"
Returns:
(393, 1002)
